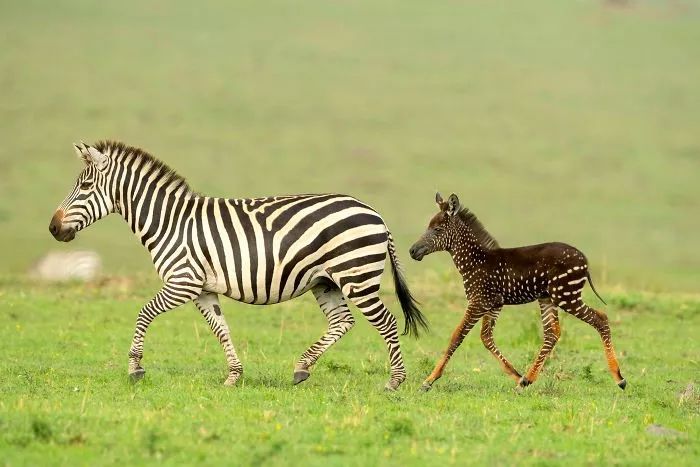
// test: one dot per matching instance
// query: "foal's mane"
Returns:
(483, 238)
(117, 150)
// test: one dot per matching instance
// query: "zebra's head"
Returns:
(438, 236)
(89, 200)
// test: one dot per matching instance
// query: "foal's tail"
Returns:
(590, 282)
(412, 315)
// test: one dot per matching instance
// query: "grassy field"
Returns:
(66, 398)
(569, 121)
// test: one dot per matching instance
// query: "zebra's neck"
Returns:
(147, 201)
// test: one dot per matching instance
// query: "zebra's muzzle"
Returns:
(56, 228)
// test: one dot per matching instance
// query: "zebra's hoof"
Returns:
(524, 382)
(300, 376)
(231, 380)
(390, 387)
(137, 375)
(425, 387)
(622, 384)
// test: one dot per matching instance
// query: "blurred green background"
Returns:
(571, 121)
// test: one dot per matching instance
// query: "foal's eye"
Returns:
(86, 185)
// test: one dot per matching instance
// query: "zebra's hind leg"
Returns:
(170, 296)
(552, 331)
(487, 325)
(340, 320)
(371, 306)
(599, 321)
(208, 304)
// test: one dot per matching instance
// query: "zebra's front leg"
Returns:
(333, 305)
(169, 297)
(208, 304)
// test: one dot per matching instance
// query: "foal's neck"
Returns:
(466, 250)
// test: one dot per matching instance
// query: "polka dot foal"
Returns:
(554, 274)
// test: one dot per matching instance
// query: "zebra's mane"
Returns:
(483, 238)
(119, 150)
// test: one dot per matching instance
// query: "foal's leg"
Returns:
(599, 321)
(208, 304)
(552, 331)
(471, 317)
(487, 325)
(333, 305)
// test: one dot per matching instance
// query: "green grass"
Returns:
(66, 399)
(567, 121)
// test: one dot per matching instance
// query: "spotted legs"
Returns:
(473, 314)
(552, 331)
(599, 321)
(332, 303)
(170, 296)
(487, 325)
(208, 304)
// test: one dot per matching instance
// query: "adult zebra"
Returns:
(258, 251)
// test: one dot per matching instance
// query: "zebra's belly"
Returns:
(263, 291)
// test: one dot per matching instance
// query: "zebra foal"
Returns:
(551, 273)
(258, 251)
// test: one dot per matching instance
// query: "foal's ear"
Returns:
(453, 206)
(90, 155)
(438, 200)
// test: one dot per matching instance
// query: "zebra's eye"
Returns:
(86, 185)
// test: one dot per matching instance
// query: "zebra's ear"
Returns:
(453, 205)
(90, 155)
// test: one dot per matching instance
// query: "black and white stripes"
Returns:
(258, 251)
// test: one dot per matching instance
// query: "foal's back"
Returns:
(524, 274)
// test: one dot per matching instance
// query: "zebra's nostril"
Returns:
(53, 229)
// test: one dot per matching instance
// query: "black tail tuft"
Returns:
(590, 282)
(412, 315)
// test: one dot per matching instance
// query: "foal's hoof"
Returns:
(622, 384)
(301, 375)
(425, 387)
(524, 382)
(137, 375)
(390, 387)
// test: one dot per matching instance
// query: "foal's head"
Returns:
(440, 233)
(88, 200)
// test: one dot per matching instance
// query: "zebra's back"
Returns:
(267, 250)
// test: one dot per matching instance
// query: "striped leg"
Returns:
(599, 321)
(552, 331)
(487, 325)
(383, 321)
(208, 304)
(169, 297)
(472, 316)
(340, 320)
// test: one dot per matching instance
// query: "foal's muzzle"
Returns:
(418, 251)
(59, 232)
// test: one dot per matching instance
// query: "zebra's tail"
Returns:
(590, 282)
(412, 315)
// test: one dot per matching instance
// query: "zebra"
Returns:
(554, 274)
(58, 266)
(256, 250)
